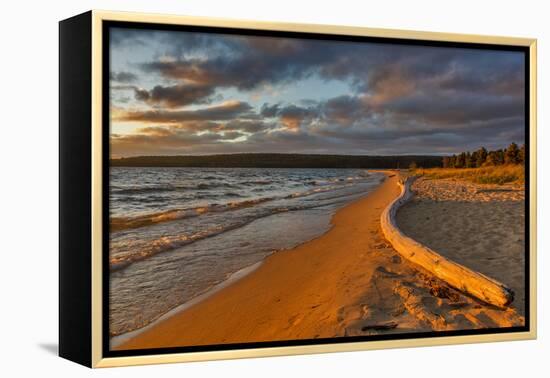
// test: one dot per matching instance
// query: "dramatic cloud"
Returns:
(292, 116)
(345, 110)
(176, 96)
(225, 111)
(451, 110)
(214, 93)
(150, 140)
(123, 77)
(168, 140)
(247, 126)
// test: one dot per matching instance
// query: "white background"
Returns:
(29, 189)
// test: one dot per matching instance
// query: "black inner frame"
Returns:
(106, 25)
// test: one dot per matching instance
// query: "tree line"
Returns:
(482, 158)
(272, 160)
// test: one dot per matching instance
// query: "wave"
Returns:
(257, 182)
(171, 188)
(146, 249)
(163, 244)
(320, 189)
(148, 189)
(126, 249)
(217, 185)
(125, 223)
(214, 185)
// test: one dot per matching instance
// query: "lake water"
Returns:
(178, 232)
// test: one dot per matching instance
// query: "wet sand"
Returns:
(347, 282)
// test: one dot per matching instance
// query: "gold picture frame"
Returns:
(94, 21)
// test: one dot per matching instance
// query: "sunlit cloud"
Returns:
(193, 93)
(224, 111)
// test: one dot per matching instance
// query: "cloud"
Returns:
(380, 72)
(155, 140)
(225, 111)
(243, 74)
(399, 98)
(123, 77)
(292, 116)
(176, 96)
(170, 43)
(445, 109)
(247, 126)
(253, 62)
(240, 125)
(270, 111)
(198, 126)
(341, 111)
(345, 110)
(390, 82)
(246, 62)
(160, 139)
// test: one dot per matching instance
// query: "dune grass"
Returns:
(501, 174)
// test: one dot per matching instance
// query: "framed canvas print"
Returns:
(237, 189)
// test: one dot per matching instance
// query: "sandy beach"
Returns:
(347, 282)
(444, 214)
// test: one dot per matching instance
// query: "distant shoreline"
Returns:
(271, 160)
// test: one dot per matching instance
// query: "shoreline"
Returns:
(274, 211)
(147, 336)
(348, 281)
(234, 276)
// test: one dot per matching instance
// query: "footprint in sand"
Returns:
(387, 272)
(396, 259)
(295, 320)
(365, 309)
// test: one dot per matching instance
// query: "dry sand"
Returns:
(347, 282)
(479, 226)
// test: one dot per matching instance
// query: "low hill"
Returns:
(256, 160)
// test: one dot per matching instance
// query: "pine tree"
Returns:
(500, 157)
(452, 161)
(481, 156)
(492, 158)
(473, 160)
(511, 155)
(461, 160)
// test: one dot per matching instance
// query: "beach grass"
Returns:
(501, 174)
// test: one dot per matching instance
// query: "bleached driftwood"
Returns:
(456, 275)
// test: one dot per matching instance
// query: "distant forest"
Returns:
(483, 158)
(279, 161)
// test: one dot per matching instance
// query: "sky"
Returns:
(186, 93)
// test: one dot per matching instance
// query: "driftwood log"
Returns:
(471, 282)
